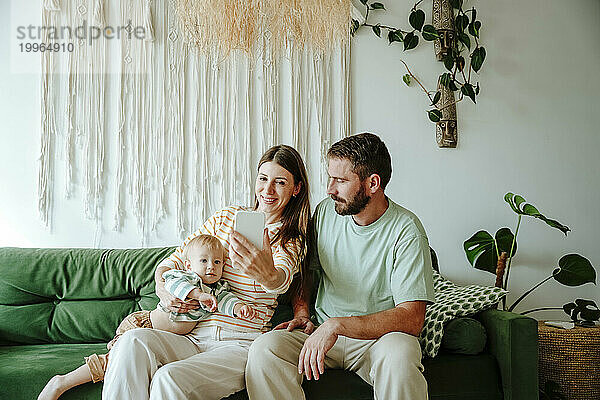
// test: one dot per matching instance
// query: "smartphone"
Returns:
(251, 224)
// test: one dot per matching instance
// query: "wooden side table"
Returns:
(571, 358)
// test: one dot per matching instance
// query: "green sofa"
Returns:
(59, 305)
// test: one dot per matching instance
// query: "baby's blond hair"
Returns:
(209, 241)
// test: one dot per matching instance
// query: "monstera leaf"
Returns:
(587, 309)
(481, 249)
(574, 270)
(521, 207)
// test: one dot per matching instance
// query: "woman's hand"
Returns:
(171, 302)
(299, 322)
(256, 264)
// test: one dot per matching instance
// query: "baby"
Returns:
(204, 260)
(204, 257)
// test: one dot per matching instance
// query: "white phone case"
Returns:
(251, 224)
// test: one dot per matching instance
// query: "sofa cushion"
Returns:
(478, 377)
(73, 295)
(25, 369)
(453, 301)
(444, 374)
(464, 336)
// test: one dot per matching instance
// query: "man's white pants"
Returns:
(153, 364)
(391, 364)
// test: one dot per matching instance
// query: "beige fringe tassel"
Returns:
(99, 13)
(48, 129)
(69, 114)
(226, 25)
(148, 26)
(51, 5)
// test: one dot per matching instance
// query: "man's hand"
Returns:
(208, 301)
(243, 310)
(298, 323)
(312, 356)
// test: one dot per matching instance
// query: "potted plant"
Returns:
(495, 254)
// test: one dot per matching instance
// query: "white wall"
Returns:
(532, 132)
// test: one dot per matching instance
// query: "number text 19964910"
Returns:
(43, 47)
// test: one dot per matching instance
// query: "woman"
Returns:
(209, 362)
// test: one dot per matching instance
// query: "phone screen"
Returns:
(251, 224)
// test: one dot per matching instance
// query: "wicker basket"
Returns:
(571, 358)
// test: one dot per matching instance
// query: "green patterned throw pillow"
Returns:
(453, 301)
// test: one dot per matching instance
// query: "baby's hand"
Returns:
(244, 311)
(208, 301)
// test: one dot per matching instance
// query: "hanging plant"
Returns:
(462, 55)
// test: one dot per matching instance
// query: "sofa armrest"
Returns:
(513, 340)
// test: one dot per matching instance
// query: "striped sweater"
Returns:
(181, 283)
(262, 300)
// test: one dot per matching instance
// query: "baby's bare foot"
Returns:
(53, 389)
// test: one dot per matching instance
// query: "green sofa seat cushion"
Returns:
(477, 376)
(464, 336)
(25, 369)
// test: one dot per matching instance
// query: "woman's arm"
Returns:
(301, 289)
(167, 299)
(256, 264)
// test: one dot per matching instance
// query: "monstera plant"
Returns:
(495, 254)
(587, 310)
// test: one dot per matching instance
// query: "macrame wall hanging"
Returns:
(175, 120)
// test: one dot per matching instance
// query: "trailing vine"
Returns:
(458, 77)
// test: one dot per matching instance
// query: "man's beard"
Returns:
(354, 205)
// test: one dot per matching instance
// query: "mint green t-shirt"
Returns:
(366, 269)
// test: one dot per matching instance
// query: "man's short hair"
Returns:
(199, 241)
(368, 155)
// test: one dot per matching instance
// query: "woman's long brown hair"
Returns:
(296, 213)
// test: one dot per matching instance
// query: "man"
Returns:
(375, 280)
